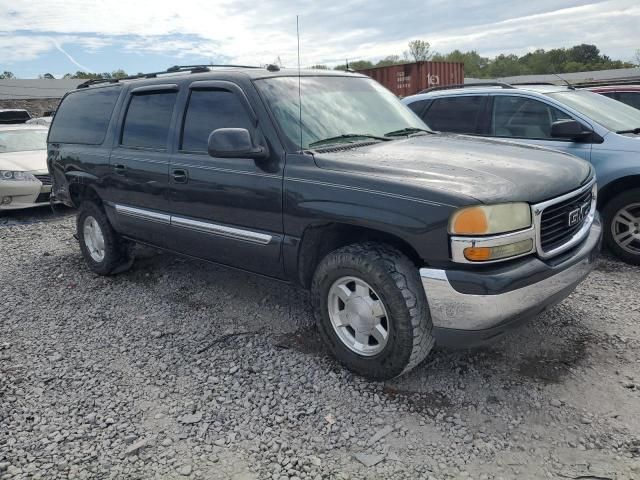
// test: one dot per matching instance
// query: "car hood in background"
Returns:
(30, 161)
(487, 170)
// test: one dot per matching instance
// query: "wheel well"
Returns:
(616, 187)
(80, 193)
(318, 241)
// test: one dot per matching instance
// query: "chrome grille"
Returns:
(45, 179)
(564, 221)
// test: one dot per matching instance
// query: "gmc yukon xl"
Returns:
(405, 237)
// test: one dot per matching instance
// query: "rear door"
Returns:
(227, 210)
(528, 120)
(139, 177)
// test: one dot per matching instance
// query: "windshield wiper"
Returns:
(406, 131)
(346, 136)
(632, 130)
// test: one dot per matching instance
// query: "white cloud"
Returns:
(245, 31)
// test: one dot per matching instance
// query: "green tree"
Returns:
(419, 50)
(585, 54)
(390, 60)
(319, 67)
(119, 74)
(48, 76)
(7, 75)
(356, 65)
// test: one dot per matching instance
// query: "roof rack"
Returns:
(170, 70)
(465, 85)
(536, 83)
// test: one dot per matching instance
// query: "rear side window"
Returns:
(630, 98)
(209, 110)
(83, 117)
(148, 118)
(455, 114)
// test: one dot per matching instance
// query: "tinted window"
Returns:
(521, 117)
(630, 98)
(455, 114)
(83, 117)
(148, 118)
(418, 107)
(209, 110)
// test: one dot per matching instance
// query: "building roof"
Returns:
(19, 89)
(575, 77)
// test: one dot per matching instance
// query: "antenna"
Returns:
(571, 87)
(299, 80)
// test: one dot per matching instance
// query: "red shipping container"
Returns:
(411, 78)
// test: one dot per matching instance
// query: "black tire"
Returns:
(611, 209)
(395, 280)
(118, 255)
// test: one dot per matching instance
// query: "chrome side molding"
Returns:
(195, 225)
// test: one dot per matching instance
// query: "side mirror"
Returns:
(234, 143)
(569, 129)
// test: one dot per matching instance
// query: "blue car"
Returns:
(591, 126)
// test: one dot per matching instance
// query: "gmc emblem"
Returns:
(578, 214)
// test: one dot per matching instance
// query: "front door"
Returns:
(527, 120)
(139, 162)
(227, 210)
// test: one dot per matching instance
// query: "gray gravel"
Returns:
(182, 370)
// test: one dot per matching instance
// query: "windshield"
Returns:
(22, 140)
(335, 106)
(609, 113)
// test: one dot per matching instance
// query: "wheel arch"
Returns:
(616, 187)
(318, 240)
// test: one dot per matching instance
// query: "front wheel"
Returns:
(104, 251)
(622, 225)
(371, 310)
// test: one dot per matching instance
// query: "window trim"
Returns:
(220, 86)
(148, 90)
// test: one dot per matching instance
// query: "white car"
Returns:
(24, 179)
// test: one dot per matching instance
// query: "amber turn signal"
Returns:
(484, 254)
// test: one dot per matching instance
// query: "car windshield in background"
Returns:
(609, 113)
(22, 140)
(336, 108)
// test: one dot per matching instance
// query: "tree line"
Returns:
(579, 58)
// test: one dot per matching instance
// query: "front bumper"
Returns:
(23, 194)
(470, 307)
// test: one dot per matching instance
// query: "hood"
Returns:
(490, 171)
(29, 161)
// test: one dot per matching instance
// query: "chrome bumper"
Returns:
(452, 309)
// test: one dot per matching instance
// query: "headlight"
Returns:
(17, 176)
(490, 219)
(489, 233)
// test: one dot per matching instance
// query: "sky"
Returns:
(60, 36)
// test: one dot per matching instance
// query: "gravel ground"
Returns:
(181, 370)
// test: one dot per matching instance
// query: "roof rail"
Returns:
(465, 85)
(174, 69)
(536, 83)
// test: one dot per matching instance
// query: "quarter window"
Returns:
(458, 114)
(521, 117)
(83, 116)
(209, 110)
(148, 118)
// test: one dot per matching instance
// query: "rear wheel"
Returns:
(371, 310)
(102, 248)
(622, 226)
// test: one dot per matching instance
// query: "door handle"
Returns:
(180, 176)
(120, 168)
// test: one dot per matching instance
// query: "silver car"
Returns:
(24, 179)
(599, 129)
